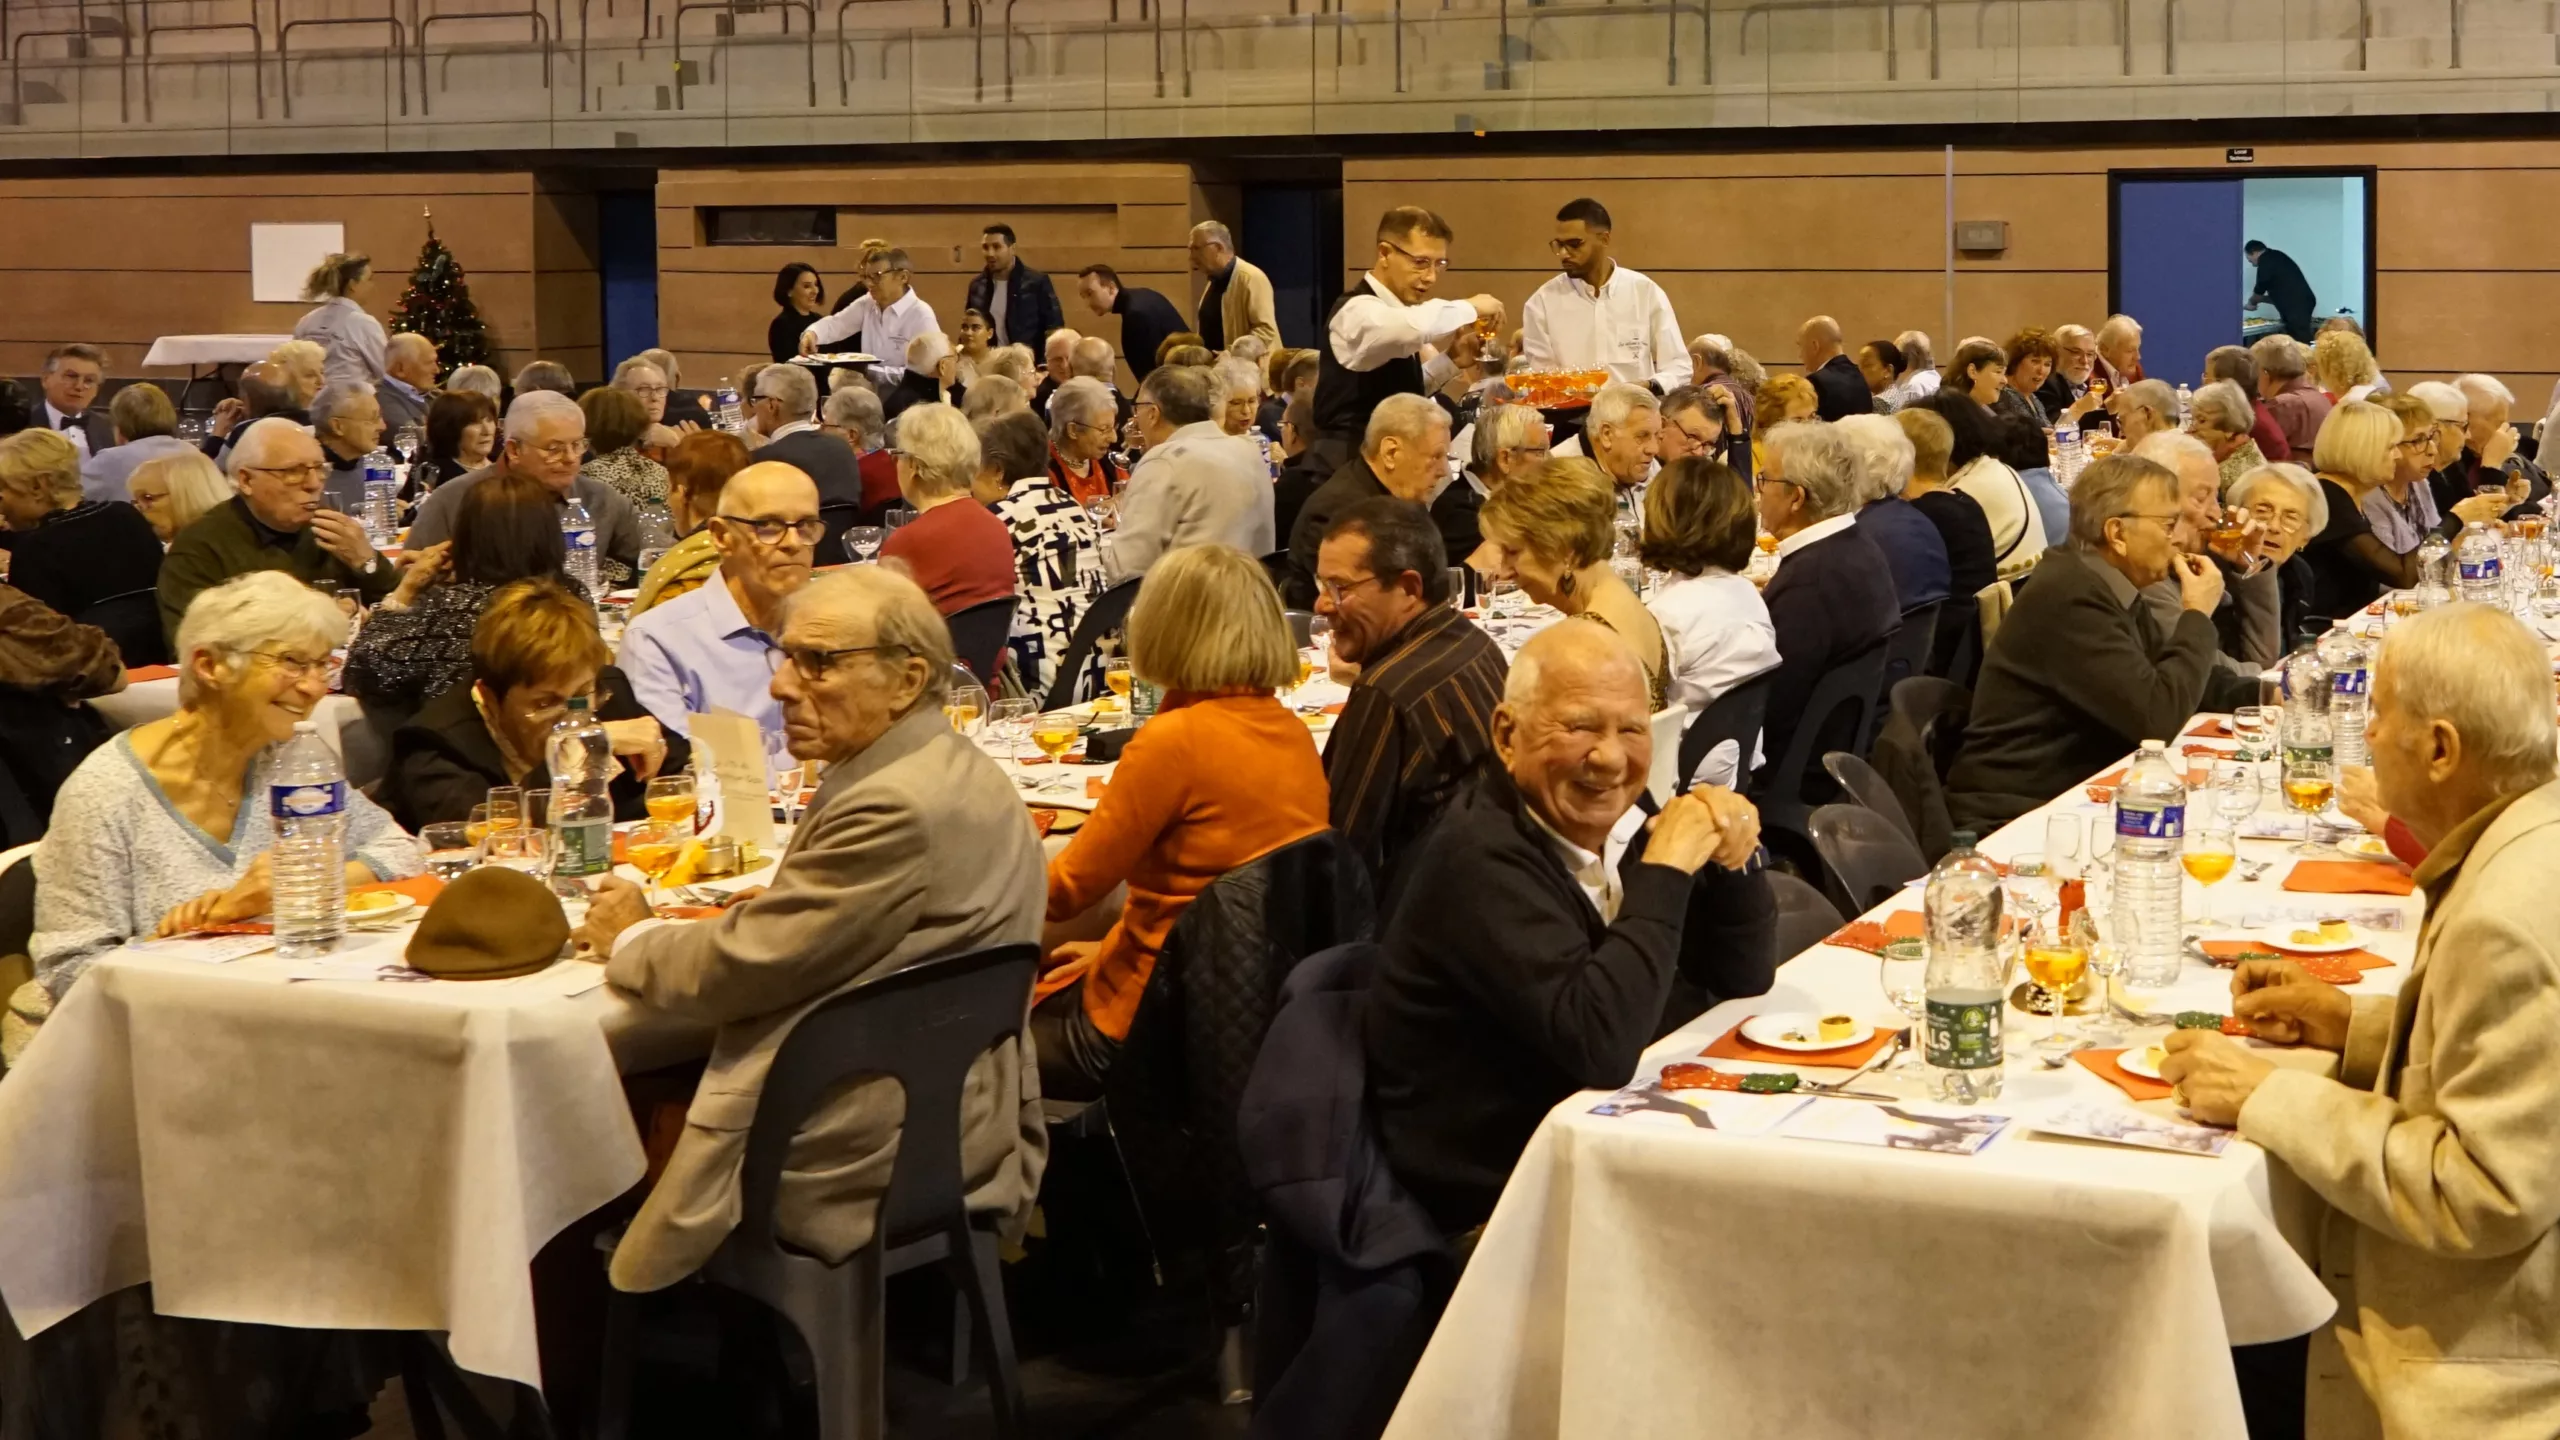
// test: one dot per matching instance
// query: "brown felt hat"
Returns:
(492, 924)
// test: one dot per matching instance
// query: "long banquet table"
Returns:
(1645, 1277)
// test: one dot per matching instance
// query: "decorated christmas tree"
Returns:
(438, 305)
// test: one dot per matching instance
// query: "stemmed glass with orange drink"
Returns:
(1055, 734)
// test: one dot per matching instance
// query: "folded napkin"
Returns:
(1093, 787)
(1043, 820)
(2211, 730)
(2103, 789)
(2353, 962)
(1869, 936)
(140, 673)
(1336, 707)
(2348, 877)
(2102, 1063)
(422, 888)
(1731, 1046)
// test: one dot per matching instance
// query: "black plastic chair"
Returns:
(838, 517)
(1936, 710)
(1276, 566)
(1735, 715)
(1108, 612)
(1864, 855)
(1805, 917)
(1870, 789)
(1840, 714)
(1907, 650)
(132, 620)
(924, 1027)
(978, 635)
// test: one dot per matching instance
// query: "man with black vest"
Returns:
(1378, 340)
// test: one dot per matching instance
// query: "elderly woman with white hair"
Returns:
(955, 548)
(174, 491)
(1083, 420)
(164, 829)
(1833, 596)
(647, 384)
(991, 395)
(1912, 547)
(1239, 394)
(2488, 465)
(2288, 506)
(477, 380)
(2222, 417)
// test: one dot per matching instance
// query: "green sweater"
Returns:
(225, 542)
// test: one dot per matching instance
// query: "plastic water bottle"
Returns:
(657, 534)
(730, 416)
(581, 765)
(381, 496)
(2070, 455)
(2349, 692)
(2480, 574)
(2186, 400)
(307, 801)
(1965, 1005)
(2151, 827)
(2435, 557)
(578, 538)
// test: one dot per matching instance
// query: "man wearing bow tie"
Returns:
(72, 374)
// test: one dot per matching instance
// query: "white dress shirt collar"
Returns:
(794, 428)
(1818, 530)
(1590, 870)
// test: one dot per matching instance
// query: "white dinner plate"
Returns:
(383, 913)
(2137, 1060)
(2365, 847)
(2282, 939)
(1773, 1031)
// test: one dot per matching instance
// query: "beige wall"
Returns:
(715, 301)
(1750, 245)
(120, 262)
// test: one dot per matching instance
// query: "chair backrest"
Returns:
(1936, 711)
(1870, 789)
(1992, 603)
(1867, 856)
(1300, 624)
(1735, 715)
(1906, 651)
(1668, 726)
(1276, 567)
(923, 1027)
(132, 620)
(1108, 612)
(1839, 715)
(1805, 918)
(838, 516)
(978, 634)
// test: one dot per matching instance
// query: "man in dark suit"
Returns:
(1543, 938)
(1839, 389)
(1146, 317)
(2282, 284)
(786, 409)
(1833, 595)
(72, 375)
(1020, 300)
(1404, 453)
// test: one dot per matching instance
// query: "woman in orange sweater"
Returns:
(1222, 775)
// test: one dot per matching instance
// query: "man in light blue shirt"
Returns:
(146, 429)
(713, 646)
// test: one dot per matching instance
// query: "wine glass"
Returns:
(1118, 674)
(671, 798)
(2056, 958)
(963, 706)
(2251, 725)
(2546, 598)
(525, 851)
(1009, 723)
(1055, 733)
(504, 808)
(2062, 845)
(2310, 782)
(1320, 638)
(1904, 973)
(861, 542)
(450, 849)
(1105, 511)
(2208, 854)
(1505, 593)
(653, 849)
(896, 516)
(2104, 960)
(2031, 885)
(2235, 790)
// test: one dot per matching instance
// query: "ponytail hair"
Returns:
(333, 277)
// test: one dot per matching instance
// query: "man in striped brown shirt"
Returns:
(1419, 720)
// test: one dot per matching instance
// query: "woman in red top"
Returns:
(1081, 416)
(955, 547)
(1222, 775)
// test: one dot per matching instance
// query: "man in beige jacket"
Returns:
(2435, 1146)
(1237, 300)
(916, 847)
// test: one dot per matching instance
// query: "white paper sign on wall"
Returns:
(281, 257)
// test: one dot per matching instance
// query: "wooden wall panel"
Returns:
(120, 261)
(715, 301)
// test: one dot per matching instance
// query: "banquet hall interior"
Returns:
(1131, 721)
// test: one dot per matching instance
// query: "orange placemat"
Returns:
(2102, 1063)
(2211, 730)
(1731, 1046)
(2103, 789)
(1336, 707)
(2348, 877)
(422, 888)
(1093, 787)
(690, 912)
(1870, 936)
(140, 673)
(2351, 963)
(1043, 821)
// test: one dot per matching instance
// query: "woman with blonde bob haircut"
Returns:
(174, 491)
(1552, 530)
(1223, 775)
(2356, 454)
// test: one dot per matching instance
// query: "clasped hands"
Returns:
(2214, 1075)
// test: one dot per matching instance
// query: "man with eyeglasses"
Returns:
(2081, 671)
(715, 646)
(275, 522)
(546, 440)
(1198, 485)
(785, 408)
(1600, 315)
(1692, 424)
(887, 320)
(914, 849)
(1386, 336)
(2075, 363)
(1403, 453)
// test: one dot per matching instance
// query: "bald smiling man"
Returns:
(1839, 388)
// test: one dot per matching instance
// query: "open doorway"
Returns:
(2205, 258)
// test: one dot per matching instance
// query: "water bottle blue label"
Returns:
(578, 539)
(306, 802)
(2485, 568)
(2169, 822)
(2349, 682)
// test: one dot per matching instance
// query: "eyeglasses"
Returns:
(1334, 590)
(771, 532)
(1425, 261)
(813, 664)
(2417, 442)
(2284, 522)
(646, 391)
(2169, 519)
(293, 668)
(557, 449)
(596, 699)
(289, 472)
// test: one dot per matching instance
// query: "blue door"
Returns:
(2178, 271)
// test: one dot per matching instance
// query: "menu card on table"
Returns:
(737, 765)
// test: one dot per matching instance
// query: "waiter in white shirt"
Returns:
(1379, 338)
(887, 319)
(1600, 315)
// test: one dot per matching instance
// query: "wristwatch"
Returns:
(372, 563)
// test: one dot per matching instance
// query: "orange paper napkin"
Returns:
(140, 673)
(1093, 787)
(1042, 821)
(2343, 968)
(2102, 1063)
(1336, 707)
(1731, 1046)
(2348, 877)
(1869, 936)
(2211, 730)
(422, 888)
(2103, 789)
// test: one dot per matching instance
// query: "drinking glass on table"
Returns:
(2235, 790)
(1055, 733)
(653, 847)
(1320, 636)
(451, 852)
(2104, 960)
(670, 799)
(963, 706)
(1009, 723)
(861, 542)
(525, 851)
(2062, 845)
(2252, 726)
(2546, 598)
(894, 517)
(1458, 586)
(537, 810)
(504, 807)
(2056, 959)
(1905, 977)
(2310, 781)
(1505, 597)
(2208, 854)
(1120, 675)
(2031, 886)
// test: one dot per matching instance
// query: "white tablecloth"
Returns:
(1642, 1278)
(193, 350)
